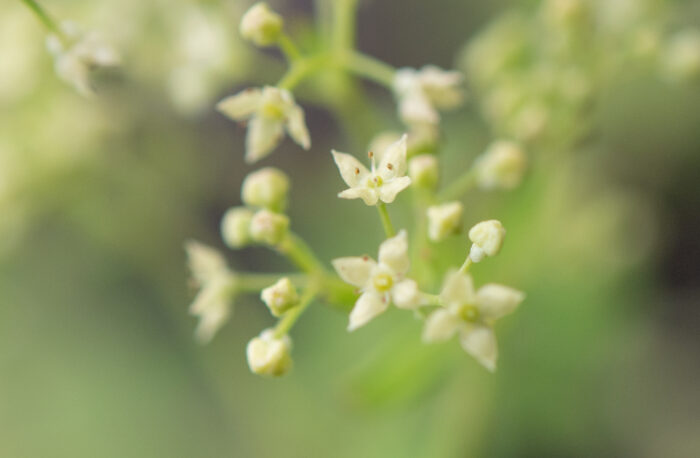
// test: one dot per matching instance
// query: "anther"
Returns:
(390, 166)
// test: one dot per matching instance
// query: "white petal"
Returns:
(457, 290)
(205, 262)
(351, 170)
(393, 162)
(368, 196)
(241, 105)
(389, 191)
(264, 135)
(211, 321)
(440, 326)
(296, 126)
(393, 253)
(496, 301)
(416, 108)
(405, 294)
(355, 270)
(368, 306)
(480, 342)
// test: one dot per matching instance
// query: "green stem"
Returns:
(386, 220)
(301, 254)
(288, 48)
(301, 69)
(368, 67)
(459, 187)
(344, 18)
(465, 267)
(285, 324)
(45, 18)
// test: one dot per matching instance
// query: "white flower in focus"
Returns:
(213, 303)
(471, 314)
(77, 55)
(261, 25)
(444, 220)
(501, 167)
(269, 111)
(380, 183)
(280, 297)
(380, 283)
(268, 355)
(422, 92)
(487, 239)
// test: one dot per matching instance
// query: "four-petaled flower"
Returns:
(380, 183)
(379, 282)
(421, 93)
(270, 112)
(472, 314)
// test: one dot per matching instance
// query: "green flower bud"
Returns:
(280, 297)
(266, 188)
(487, 238)
(235, 226)
(268, 227)
(261, 25)
(423, 171)
(268, 355)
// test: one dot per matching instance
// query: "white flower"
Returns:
(487, 239)
(77, 55)
(213, 303)
(380, 183)
(471, 314)
(422, 92)
(501, 167)
(261, 25)
(268, 355)
(235, 226)
(266, 188)
(270, 112)
(280, 297)
(444, 220)
(380, 283)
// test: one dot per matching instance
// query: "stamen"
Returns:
(357, 171)
(390, 166)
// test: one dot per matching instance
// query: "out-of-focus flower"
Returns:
(235, 227)
(268, 355)
(501, 167)
(380, 283)
(444, 220)
(268, 227)
(261, 25)
(266, 188)
(77, 55)
(422, 92)
(487, 239)
(380, 183)
(270, 112)
(471, 314)
(423, 170)
(214, 303)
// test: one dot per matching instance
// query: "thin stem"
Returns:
(45, 18)
(289, 48)
(291, 317)
(301, 254)
(465, 267)
(301, 69)
(368, 67)
(344, 17)
(459, 187)
(386, 220)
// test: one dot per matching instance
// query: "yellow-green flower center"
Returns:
(382, 282)
(374, 181)
(469, 313)
(272, 111)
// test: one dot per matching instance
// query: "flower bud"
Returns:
(487, 239)
(261, 25)
(501, 166)
(235, 226)
(444, 220)
(280, 297)
(423, 171)
(266, 188)
(268, 355)
(268, 227)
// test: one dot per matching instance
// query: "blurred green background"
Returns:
(98, 195)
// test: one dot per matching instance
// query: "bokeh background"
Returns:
(97, 196)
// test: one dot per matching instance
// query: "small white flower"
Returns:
(280, 297)
(268, 355)
(235, 226)
(422, 92)
(380, 183)
(213, 303)
(501, 167)
(268, 227)
(444, 220)
(471, 314)
(487, 239)
(270, 112)
(380, 282)
(266, 188)
(77, 55)
(261, 25)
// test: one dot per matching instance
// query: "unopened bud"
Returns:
(235, 226)
(268, 227)
(487, 239)
(444, 220)
(423, 171)
(266, 188)
(268, 355)
(280, 297)
(501, 167)
(261, 25)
